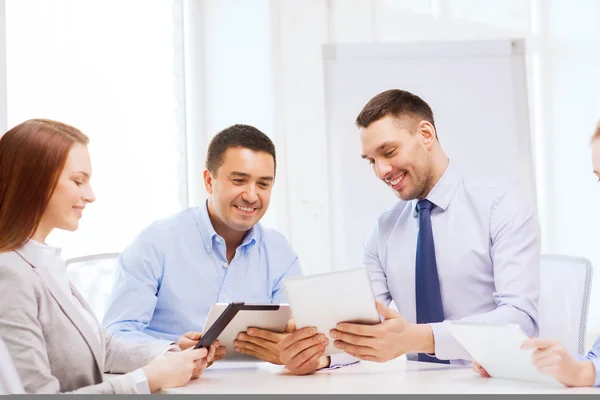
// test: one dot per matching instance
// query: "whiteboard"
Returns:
(478, 93)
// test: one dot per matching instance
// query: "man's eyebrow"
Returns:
(246, 175)
(383, 146)
(378, 149)
(238, 173)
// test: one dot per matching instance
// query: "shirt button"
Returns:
(218, 239)
(225, 265)
(207, 247)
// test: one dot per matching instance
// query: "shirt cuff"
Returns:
(340, 360)
(596, 363)
(167, 342)
(132, 383)
(446, 346)
(171, 349)
(140, 382)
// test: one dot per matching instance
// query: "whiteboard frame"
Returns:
(513, 48)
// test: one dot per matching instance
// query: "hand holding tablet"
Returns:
(253, 329)
(498, 349)
(210, 335)
(324, 300)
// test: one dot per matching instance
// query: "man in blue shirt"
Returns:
(451, 248)
(178, 267)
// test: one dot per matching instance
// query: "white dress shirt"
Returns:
(487, 247)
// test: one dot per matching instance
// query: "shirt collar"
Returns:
(441, 194)
(39, 254)
(251, 238)
(210, 236)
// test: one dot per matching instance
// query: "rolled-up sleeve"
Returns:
(134, 296)
(592, 356)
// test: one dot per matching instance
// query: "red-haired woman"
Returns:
(52, 335)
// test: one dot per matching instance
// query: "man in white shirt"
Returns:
(451, 248)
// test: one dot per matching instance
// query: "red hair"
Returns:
(32, 157)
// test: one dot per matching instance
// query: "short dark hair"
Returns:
(238, 135)
(397, 103)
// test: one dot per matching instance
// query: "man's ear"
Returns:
(208, 181)
(427, 132)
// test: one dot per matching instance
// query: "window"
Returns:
(113, 69)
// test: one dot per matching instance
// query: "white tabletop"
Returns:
(397, 376)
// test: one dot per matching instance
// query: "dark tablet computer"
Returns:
(220, 324)
(270, 317)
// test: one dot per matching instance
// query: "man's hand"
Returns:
(302, 350)
(261, 343)
(385, 341)
(190, 339)
(551, 358)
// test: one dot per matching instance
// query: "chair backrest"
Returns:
(565, 284)
(93, 276)
(10, 383)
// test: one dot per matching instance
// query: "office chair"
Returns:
(565, 285)
(93, 276)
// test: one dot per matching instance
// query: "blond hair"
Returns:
(596, 134)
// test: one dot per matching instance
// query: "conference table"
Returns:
(394, 377)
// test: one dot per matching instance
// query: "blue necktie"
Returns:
(427, 283)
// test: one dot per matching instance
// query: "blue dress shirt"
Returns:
(592, 356)
(176, 269)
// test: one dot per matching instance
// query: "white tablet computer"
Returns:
(498, 349)
(324, 300)
(272, 317)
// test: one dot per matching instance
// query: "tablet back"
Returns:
(498, 349)
(273, 317)
(324, 300)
